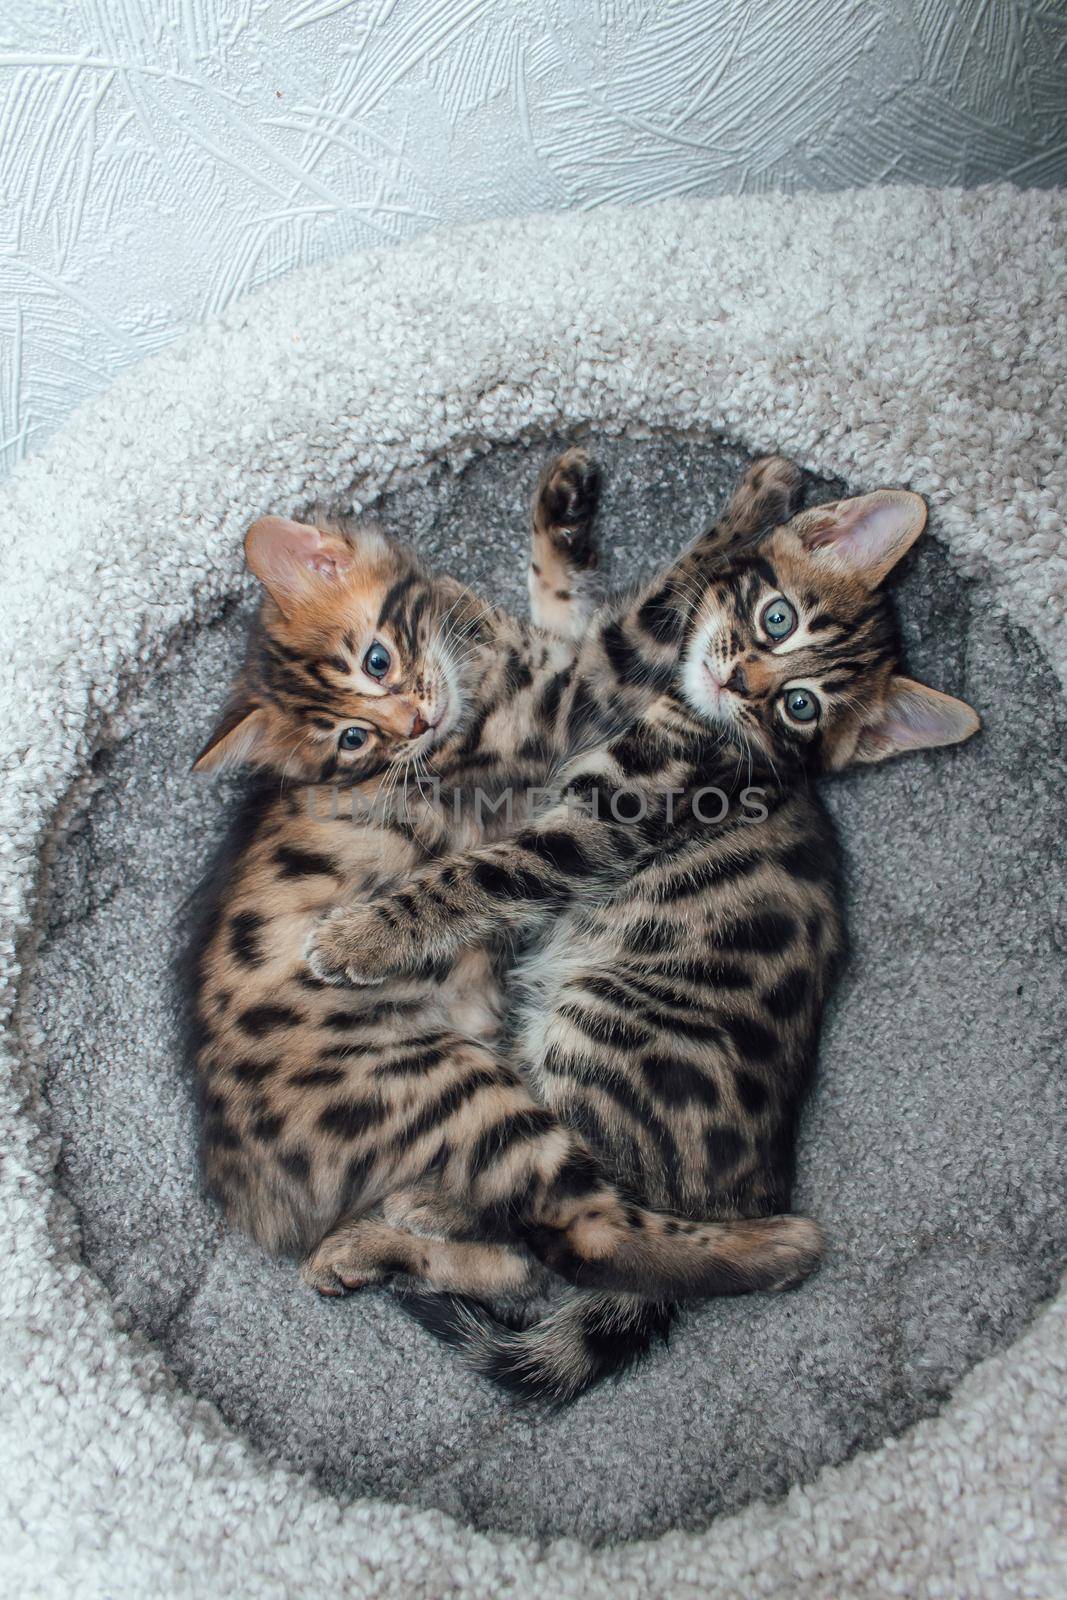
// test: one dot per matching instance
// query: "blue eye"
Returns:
(778, 619)
(352, 739)
(800, 705)
(376, 661)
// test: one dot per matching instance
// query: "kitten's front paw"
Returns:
(349, 945)
(566, 503)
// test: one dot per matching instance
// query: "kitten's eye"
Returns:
(800, 705)
(352, 738)
(778, 619)
(376, 661)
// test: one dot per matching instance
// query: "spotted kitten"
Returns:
(379, 1131)
(679, 947)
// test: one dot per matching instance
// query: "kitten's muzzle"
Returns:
(421, 723)
(740, 678)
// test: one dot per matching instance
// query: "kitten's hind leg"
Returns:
(559, 1203)
(564, 554)
(368, 1250)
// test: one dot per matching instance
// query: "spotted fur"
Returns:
(378, 1131)
(678, 949)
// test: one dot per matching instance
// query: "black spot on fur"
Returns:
(767, 931)
(627, 806)
(551, 694)
(624, 660)
(754, 1041)
(413, 1065)
(560, 850)
(349, 1119)
(357, 1173)
(639, 757)
(295, 863)
(245, 927)
(752, 1093)
(249, 1071)
(219, 1135)
(317, 1077)
(517, 674)
(503, 884)
(582, 714)
(394, 598)
(296, 1163)
(787, 996)
(704, 875)
(662, 615)
(678, 1083)
(260, 1020)
(578, 1175)
(728, 975)
(807, 860)
(725, 1147)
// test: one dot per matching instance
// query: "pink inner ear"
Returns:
(871, 533)
(917, 718)
(924, 717)
(279, 550)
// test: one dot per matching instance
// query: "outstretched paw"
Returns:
(767, 495)
(567, 497)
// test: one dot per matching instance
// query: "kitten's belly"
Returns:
(290, 877)
(673, 1024)
(278, 1047)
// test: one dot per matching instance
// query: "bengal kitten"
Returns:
(380, 1131)
(682, 940)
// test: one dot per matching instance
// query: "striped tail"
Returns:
(626, 1283)
(586, 1338)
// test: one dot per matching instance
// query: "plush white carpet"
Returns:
(889, 336)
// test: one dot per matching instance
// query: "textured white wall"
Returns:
(160, 157)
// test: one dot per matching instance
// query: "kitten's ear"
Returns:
(914, 717)
(866, 536)
(292, 558)
(239, 732)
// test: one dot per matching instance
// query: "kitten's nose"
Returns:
(419, 726)
(737, 680)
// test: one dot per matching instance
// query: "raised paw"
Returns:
(349, 945)
(565, 505)
(769, 491)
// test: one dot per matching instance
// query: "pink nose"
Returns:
(419, 726)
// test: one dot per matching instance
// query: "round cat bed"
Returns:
(185, 1416)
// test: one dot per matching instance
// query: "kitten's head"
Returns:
(350, 669)
(793, 647)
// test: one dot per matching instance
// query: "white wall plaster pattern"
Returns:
(159, 158)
